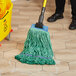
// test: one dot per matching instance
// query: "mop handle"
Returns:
(41, 18)
(44, 3)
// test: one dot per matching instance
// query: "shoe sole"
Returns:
(72, 28)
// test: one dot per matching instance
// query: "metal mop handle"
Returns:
(41, 17)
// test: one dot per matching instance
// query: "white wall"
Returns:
(12, 0)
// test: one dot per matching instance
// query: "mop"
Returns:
(37, 47)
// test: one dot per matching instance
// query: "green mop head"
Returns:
(37, 48)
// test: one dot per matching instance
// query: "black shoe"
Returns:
(72, 25)
(55, 17)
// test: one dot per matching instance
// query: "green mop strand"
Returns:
(37, 47)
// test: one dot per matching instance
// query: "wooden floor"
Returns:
(63, 41)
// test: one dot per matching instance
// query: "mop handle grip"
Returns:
(39, 24)
(44, 3)
(41, 18)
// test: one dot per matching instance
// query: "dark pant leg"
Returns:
(60, 6)
(73, 6)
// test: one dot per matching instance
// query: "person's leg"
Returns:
(58, 12)
(73, 6)
(60, 6)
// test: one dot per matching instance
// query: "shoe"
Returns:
(72, 25)
(55, 17)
